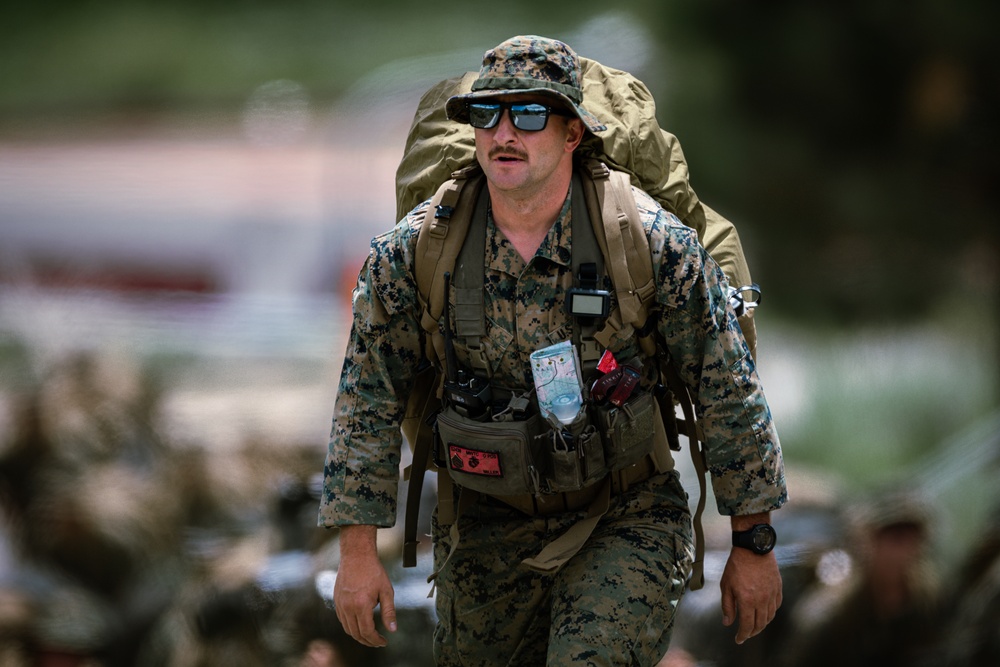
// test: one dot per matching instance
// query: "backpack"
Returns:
(441, 151)
(633, 143)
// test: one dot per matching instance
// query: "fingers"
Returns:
(389, 610)
(748, 626)
(753, 620)
(361, 627)
(751, 593)
(355, 614)
(367, 634)
(728, 607)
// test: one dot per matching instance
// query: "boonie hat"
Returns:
(528, 64)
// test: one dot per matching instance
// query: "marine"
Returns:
(612, 600)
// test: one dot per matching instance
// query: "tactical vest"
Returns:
(512, 454)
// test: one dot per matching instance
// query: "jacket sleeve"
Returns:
(707, 347)
(361, 475)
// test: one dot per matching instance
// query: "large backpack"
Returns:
(439, 164)
(633, 143)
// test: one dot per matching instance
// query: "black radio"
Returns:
(470, 392)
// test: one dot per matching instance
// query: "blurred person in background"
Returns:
(886, 612)
(972, 633)
(92, 517)
(972, 621)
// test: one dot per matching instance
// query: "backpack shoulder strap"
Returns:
(441, 237)
(623, 243)
(690, 428)
(439, 243)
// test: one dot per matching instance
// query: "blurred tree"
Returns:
(864, 159)
(851, 141)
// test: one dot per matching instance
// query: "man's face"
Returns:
(522, 163)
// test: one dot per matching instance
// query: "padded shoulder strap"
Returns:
(626, 248)
(623, 242)
(440, 240)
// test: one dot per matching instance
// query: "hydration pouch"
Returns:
(576, 456)
(496, 458)
(628, 431)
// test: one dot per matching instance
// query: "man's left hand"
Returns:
(751, 592)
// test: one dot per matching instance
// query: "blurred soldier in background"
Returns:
(972, 630)
(118, 547)
(91, 519)
(886, 612)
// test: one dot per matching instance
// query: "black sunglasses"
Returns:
(527, 117)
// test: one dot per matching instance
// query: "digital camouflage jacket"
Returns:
(525, 311)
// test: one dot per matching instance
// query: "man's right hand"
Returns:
(362, 583)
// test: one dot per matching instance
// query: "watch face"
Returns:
(763, 538)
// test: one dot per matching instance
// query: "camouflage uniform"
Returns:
(613, 603)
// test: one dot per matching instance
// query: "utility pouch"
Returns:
(576, 456)
(497, 458)
(628, 431)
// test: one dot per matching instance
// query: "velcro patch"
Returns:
(474, 462)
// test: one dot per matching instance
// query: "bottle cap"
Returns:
(566, 407)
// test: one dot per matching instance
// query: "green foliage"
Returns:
(15, 364)
(102, 56)
(850, 140)
(876, 403)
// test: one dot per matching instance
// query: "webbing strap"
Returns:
(469, 282)
(695, 438)
(466, 499)
(448, 217)
(558, 552)
(618, 232)
(585, 250)
(419, 434)
(622, 239)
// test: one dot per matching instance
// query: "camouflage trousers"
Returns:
(613, 603)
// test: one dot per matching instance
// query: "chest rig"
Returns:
(588, 305)
(492, 442)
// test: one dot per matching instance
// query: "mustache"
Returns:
(507, 152)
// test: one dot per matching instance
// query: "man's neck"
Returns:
(527, 221)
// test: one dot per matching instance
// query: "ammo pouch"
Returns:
(575, 455)
(628, 431)
(532, 456)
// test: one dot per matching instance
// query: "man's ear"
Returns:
(574, 133)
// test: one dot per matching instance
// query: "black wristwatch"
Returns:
(760, 539)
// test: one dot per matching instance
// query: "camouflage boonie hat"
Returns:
(528, 64)
(895, 507)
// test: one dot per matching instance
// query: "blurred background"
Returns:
(187, 190)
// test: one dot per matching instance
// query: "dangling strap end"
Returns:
(410, 553)
(697, 580)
